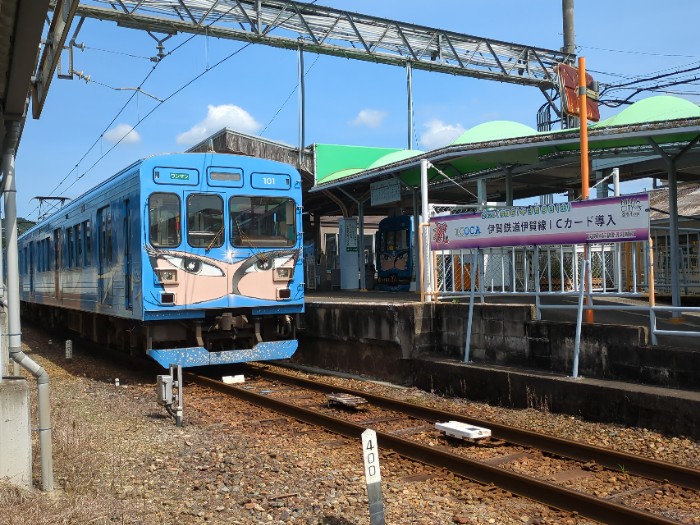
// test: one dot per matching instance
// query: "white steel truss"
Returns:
(324, 30)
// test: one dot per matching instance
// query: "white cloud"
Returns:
(372, 118)
(124, 132)
(439, 133)
(223, 116)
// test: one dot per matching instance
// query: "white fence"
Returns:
(615, 267)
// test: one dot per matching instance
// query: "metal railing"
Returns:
(654, 330)
(617, 270)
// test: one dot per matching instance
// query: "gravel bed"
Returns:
(119, 459)
(641, 441)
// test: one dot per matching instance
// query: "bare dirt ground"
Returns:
(118, 458)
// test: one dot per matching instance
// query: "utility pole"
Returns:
(567, 7)
(569, 49)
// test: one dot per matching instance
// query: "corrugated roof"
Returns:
(688, 202)
(21, 23)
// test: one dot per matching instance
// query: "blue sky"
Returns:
(71, 148)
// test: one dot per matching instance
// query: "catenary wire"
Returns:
(136, 91)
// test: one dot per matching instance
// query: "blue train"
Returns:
(193, 258)
(394, 249)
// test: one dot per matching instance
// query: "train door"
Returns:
(31, 268)
(57, 263)
(104, 255)
(127, 254)
(207, 271)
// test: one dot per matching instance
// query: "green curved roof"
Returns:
(653, 109)
(334, 161)
(342, 173)
(396, 156)
(495, 130)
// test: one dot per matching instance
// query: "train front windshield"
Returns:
(164, 219)
(205, 224)
(394, 240)
(262, 221)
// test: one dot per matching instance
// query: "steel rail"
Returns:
(525, 486)
(615, 460)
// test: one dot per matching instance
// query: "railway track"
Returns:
(506, 461)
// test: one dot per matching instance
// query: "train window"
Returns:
(104, 237)
(40, 264)
(164, 220)
(108, 242)
(205, 221)
(88, 245)
(262, 221)
(57, 249)
(70, 246)
(78, 233)
(394, 240)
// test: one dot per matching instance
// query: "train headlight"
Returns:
(284, 274)
(167, 276)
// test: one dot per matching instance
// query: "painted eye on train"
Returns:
(264, 265)
(194, 266)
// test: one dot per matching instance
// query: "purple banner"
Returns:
(614, 219)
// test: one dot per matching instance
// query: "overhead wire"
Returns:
(121, 110)
(160, 102)
(111, 51)
(633, 52)
(636, 83)
(294, 90)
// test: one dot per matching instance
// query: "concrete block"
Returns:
(493, 327)
(15, 432)
(517, 345)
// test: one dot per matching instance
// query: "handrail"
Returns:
(680, 309)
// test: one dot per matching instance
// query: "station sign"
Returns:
(614, 219)
(385, 191)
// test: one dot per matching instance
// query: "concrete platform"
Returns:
(518, 361)
(666, 410)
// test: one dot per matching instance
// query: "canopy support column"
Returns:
(674, 258)
(409, 88)
(302, 105)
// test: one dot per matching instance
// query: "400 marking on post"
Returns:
(370, 452)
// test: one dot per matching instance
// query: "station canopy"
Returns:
(638, 141)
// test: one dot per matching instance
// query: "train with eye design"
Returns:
(394, 252)
(193, 258)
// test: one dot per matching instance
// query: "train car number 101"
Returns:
(271, 180)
